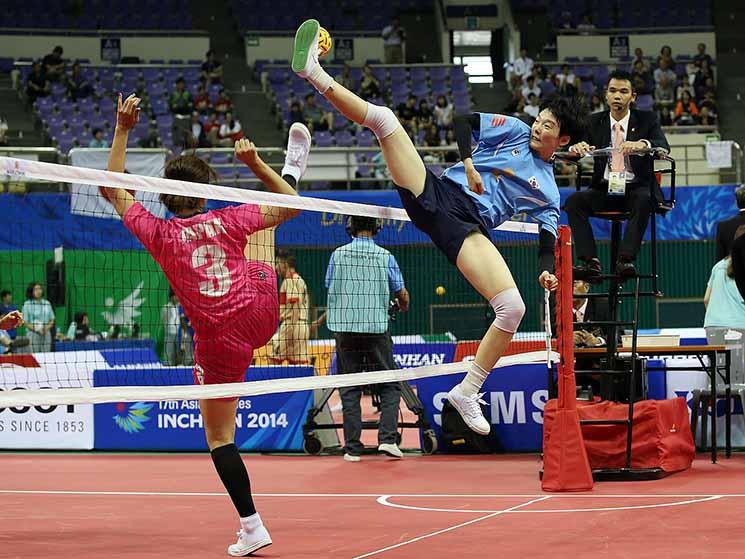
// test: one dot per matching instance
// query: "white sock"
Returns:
(251, 523)
(474, 379)
(319, 79)
(381, 120)
(293, 171)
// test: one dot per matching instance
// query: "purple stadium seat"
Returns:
(322, 139)
(644, 102)
(365, 138)
(343, 138)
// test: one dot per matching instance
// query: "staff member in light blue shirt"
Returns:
(39, 316)
(725, 311)
(360, 278)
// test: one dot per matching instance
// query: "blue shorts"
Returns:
(445, 213)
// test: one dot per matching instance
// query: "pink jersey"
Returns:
(203, 259)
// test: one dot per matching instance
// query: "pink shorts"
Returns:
(226, 355)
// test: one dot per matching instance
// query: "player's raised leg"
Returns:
(406, 167)
(485, 269)
(219, 428)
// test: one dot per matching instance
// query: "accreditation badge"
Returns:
(617, 183)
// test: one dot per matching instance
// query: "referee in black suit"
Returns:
(726, 228)
(631, 130)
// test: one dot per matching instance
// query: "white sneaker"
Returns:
(391, 450)
(249, 542)
(351, 457)
(469, 408)
(298, 148)
(305, 50)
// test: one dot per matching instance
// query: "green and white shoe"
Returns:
(305, 50)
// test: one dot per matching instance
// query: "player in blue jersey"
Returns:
(509, 172)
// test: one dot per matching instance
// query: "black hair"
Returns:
(181, 79)
(58, 49)
(30, 289)
(739, 197)
(357, 223)
(309, 95)
(287, 256)
(4, 293)
(96, 131)
(622, 75)
(79, 316)
(572, 114)
(208, 53)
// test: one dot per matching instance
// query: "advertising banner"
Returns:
(48, 427)
(272, 422)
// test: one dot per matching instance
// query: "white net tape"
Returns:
(99, 395)
(37, 170)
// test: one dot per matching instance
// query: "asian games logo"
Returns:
(131, 419)
(534, 183)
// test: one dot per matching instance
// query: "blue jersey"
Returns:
(515, 179)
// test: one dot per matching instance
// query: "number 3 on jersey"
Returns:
(212, 261)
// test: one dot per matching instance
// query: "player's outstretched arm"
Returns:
(127, 116)
(245, 150)
(465, 126)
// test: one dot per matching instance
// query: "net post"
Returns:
(565, 462)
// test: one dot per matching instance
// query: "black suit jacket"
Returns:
(726, 234)
(643, 125)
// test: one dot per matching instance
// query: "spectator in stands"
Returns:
(345, 79)
(54, 66)
(39, 317)
(443, 112)
(566, 20)
(533, 106)
(77, 86)
(152, 139)
(596, 104)
(641, 79)
(639, 57)
(627, 130)
(98, 141)
(586, 26)
(424, 116)
(725, 229)
(684, 85)
(406, 113)
(521, 68)
(296, 113)
(197, 137)
(212, 68)
(664, 70)
(686, 111)
(7, 306)
(531, 88)
(369, 85)
(710, 103)
(37, 84)
(566, 81)
(180, 101)
(202, 102)
(706, 117)
(230, 131)
(212, 129)
(664, 100)
(224, 104)
(3, 131)
(666, 53)
(394, 38)
(703, 80)
(432, 136)
(702, 55)
(316, 117)
(171, 319)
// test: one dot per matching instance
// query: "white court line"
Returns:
(588, 495)
(385, 501)
(451, 528)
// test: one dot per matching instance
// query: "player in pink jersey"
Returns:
(231, 301)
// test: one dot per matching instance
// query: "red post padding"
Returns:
(565, 463)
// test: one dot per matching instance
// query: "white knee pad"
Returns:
(381, 120)
(509, 310)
